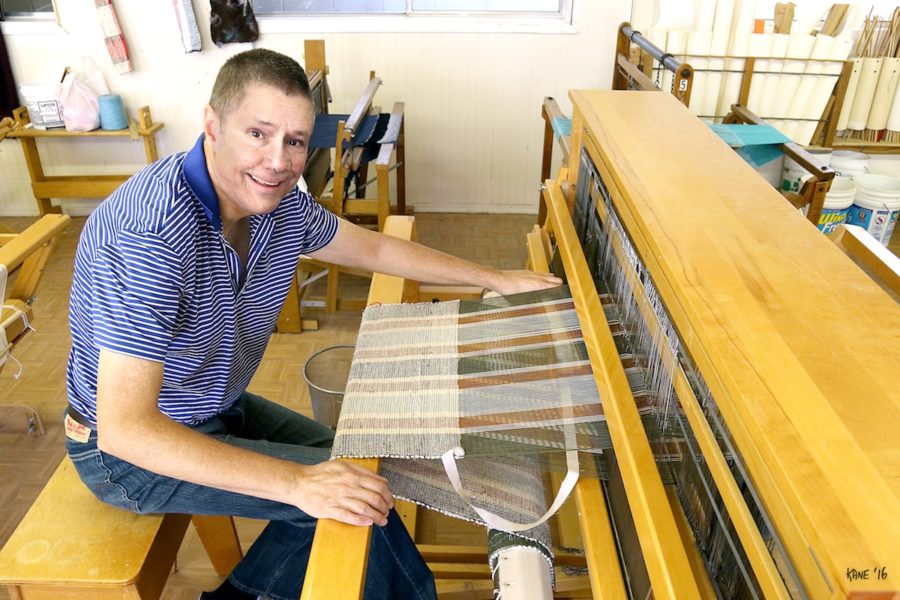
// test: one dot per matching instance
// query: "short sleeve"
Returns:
(137, 285)
(320, 225)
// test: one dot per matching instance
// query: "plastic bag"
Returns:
(79, 95)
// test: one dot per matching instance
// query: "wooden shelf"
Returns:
(76, 186)
(133, 131)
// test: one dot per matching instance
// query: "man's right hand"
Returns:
(345, 492)
(130, 426)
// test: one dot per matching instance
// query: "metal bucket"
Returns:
(326, 374)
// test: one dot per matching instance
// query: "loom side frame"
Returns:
(787, 417)
(664, 552)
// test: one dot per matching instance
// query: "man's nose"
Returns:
(279, 159)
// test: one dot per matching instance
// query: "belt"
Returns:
(79, 418)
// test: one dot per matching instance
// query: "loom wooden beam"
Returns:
(401, 161)
(878, 260)
(822, 468)
(13, 318)
(17, 249)
(458, 589)
(550, 112)
(623, 52)
(584, 522)
(6, 125)
(327, 576)
(77, 186)
(18, 418)
(792, 535)
(664, 554)
(361, 109)
(314, 56)
(698, 565)
(220, 540)
(637, 76)
(448, 553)
(430, 293)
(745, 525)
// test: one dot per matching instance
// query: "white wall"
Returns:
(473, 101)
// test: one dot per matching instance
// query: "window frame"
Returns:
(35, 23)
(564, 21)
(42, 15)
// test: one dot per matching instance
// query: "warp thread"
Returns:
(112, 113)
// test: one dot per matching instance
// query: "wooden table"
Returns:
(46, 187)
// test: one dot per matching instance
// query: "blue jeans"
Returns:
(275, 565)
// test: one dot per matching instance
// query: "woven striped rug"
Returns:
(506, 380)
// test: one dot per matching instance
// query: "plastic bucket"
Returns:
(849, 164)
(793, 175)
(326, 373)
(43, 107)
(837, 203)
(876, 205)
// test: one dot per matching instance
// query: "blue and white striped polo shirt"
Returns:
(156, 279)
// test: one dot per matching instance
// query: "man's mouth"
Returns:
(263, 182)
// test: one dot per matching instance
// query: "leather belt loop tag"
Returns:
(75, 430)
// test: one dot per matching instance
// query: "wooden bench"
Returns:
(72, 545)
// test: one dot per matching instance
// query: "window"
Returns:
(25, 8)
(410, 7)
(456, 16)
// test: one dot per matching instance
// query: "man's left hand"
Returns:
(514, 282)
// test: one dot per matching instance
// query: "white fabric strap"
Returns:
(496, 521)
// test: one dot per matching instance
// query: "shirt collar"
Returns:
(197, 176)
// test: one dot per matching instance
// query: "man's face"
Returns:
(257, 152)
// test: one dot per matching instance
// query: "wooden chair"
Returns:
(25, 255)
(72, 545)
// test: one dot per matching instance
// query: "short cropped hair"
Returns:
(255, 67)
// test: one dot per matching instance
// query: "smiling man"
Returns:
(179, 279)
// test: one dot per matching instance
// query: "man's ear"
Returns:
(210, 123)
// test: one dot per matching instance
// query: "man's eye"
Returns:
(296, 143)
(255, 133)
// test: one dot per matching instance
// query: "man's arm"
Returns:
(130, 426)
(361, 248)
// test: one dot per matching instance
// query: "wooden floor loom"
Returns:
(24, 254)
(362, 208)
(782, 355)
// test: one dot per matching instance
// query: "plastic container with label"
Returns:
(44, 108)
